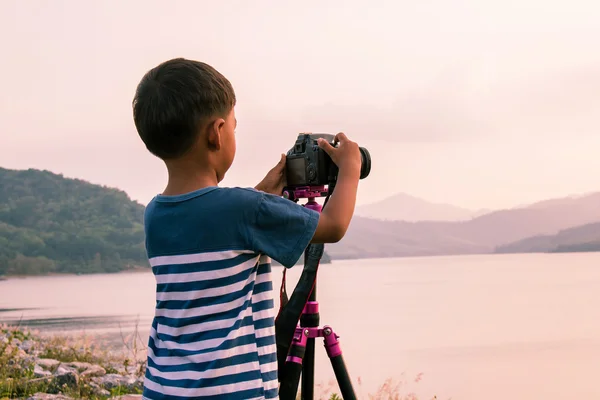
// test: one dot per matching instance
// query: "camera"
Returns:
(309, 165)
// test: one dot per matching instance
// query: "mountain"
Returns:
(404, 207)
(580, 238)
(49, 223)
(372, 238)
(52, 224)
(567, 201)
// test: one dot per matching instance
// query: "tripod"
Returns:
(300, 360)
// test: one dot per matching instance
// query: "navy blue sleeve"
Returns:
(282, 229)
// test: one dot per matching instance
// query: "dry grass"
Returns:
(391, 389)
(17, 377)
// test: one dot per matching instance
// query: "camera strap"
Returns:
(291, 309)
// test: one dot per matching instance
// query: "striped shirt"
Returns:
(213, 334)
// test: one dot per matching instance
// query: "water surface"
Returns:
(475, 327)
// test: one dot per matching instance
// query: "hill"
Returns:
(370, 238)
(483, 234)
(52, 224)
(568, 201)
(404, 207)
(580, 238)
(49, 223)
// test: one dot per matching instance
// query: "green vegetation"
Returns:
(82, 367)
(50, 224)
(72, 367)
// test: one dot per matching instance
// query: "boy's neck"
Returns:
(184, 180)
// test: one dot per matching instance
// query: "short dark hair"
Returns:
(172, 101)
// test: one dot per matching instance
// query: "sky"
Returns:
(480, 104)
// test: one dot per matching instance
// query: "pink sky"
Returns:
(480, 104)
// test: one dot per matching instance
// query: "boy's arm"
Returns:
(337, 214)
(282, 229)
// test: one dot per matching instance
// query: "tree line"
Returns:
(51, 224)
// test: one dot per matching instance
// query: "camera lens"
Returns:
(365, 167)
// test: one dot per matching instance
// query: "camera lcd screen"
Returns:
(296, 171)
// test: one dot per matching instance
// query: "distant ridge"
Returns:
(404, 207)
(52, 224)
(483, 234)
(581, 238)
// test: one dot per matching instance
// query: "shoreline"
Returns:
(140, 269)
(135, 270)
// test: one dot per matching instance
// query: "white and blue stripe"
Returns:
(213, 333)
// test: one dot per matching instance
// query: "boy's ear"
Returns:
(213, 133)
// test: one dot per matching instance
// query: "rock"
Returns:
(39, 372)
(98, 390)
(48, 363)
(46, 396)
(65, 378)
(111, 381)
(64, 369)
(94, 371)
(87, 369)
(118, 367)
(14, 352)
(28, 360)
(20, 353)
(27, 345)
(78, 365)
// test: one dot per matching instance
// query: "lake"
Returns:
(476, 327)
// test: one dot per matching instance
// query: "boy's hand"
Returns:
(275, 180)
(346, 156)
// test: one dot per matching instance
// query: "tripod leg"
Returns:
(310, 319)
(334, 352)
(293, 367)
(308, 371)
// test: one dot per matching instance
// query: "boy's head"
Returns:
(184, 110)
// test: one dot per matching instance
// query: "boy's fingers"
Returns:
(281, 163)
(327, 148)
(341, 137)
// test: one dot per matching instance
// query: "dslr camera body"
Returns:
(307, 165)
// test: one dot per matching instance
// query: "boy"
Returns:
(212, 336)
